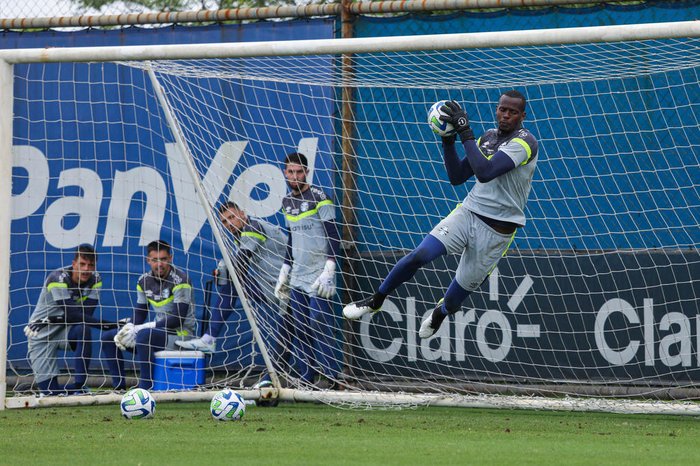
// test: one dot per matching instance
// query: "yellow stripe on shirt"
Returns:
(308, 213)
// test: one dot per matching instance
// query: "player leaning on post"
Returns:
(307, 277)
(258, 256)
(168, 292)
(62, 320)
(483, 226)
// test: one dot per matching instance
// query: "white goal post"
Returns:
(595, 308)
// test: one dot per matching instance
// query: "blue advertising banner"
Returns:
(96, 162)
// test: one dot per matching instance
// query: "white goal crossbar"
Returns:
(596, 34)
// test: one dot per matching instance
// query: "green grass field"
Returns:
(304, 434)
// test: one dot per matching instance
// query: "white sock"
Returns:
(207, 339)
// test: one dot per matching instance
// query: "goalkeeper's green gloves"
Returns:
(455, 115)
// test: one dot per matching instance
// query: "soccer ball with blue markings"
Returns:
(438, 126)
(138, 403)
(227, 405)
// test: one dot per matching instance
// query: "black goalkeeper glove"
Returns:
(455, 115)
(449, 140)
(112, 325)
(32, 329)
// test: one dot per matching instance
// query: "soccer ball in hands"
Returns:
(227, 405)
(438, 126)
(137, 403)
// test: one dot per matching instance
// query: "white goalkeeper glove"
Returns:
(282, 286)
(126, 337)
(324, 286)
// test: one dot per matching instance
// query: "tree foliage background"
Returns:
(187, 5)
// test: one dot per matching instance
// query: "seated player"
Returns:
(258, 256)
(168, 292)
(62, 319)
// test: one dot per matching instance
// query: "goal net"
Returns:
(597, 299)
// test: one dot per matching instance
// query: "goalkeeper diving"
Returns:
(482, 227)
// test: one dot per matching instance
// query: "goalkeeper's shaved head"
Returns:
(517, 95)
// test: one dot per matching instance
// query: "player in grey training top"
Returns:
(262, 247)
(260, 250)
(483, 226)
(168, 292)
(306, 215)
(62, 320)
(308, 274)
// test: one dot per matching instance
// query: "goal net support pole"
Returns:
(6, 103)
(206, 204)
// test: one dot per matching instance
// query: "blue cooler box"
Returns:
(178, 370)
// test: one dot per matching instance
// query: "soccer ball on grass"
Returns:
(137, 403)
(227, 405)
(438, 126)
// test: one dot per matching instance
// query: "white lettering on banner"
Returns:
(491, 318)
(461, 321)
(308, 146)
(190, 212)
(611, 307)
(271, 176)
(493, 285)
(85, 207)
(387, 353)
(674, 342)
(411, 329)
(497, 319)
(443, 336)
(674, 349)
(247, 181)
(680, 340)
(125, 186)
(34, 163)
(649, 332)
(493, 351)
(520, 293)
